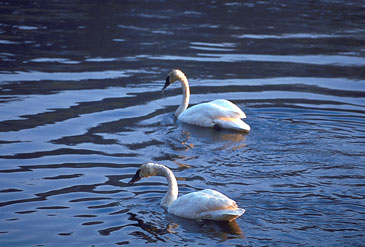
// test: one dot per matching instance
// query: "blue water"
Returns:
(81, 108)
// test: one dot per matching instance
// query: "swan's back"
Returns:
(230, 109)
(206, 204)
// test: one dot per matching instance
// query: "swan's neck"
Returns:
(186, 95)
(172, 192)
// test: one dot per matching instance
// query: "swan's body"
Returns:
(205, 204)
(217, 114)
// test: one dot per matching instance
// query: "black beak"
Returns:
(135, 178)
(167, 83)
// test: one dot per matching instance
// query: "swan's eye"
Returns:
(135, 178)
(167, 83)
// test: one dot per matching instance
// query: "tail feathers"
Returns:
(222, 214)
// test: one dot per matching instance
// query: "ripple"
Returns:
(335, 60)
(100, 59)
(65, 76)
(53, 60)
(8, 42)
(24, 27)
(64, 176)
(291, 36)
(86, 216)
(90, 223)
(53, 207)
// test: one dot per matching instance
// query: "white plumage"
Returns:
(205, 204)
(219, 113)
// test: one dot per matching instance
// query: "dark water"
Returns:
(81, 108)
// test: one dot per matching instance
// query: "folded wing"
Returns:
(206, 204)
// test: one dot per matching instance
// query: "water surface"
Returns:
(81, 108)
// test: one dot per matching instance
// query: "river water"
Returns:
(81, 108)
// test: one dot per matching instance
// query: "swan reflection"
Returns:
(152, 232)
(222, 231)
(224, 139)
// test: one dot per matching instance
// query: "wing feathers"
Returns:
(206, 204)
(229, 108)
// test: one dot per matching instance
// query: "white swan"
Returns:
(219, 114)
(205, 204)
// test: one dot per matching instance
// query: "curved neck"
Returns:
(186, 95)
(172, 192)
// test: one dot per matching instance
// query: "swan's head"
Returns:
(174, 75)
(144, 171)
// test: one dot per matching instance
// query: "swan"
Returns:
(205, 204)
(219, 114)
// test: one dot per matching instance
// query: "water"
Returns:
(81, 108)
